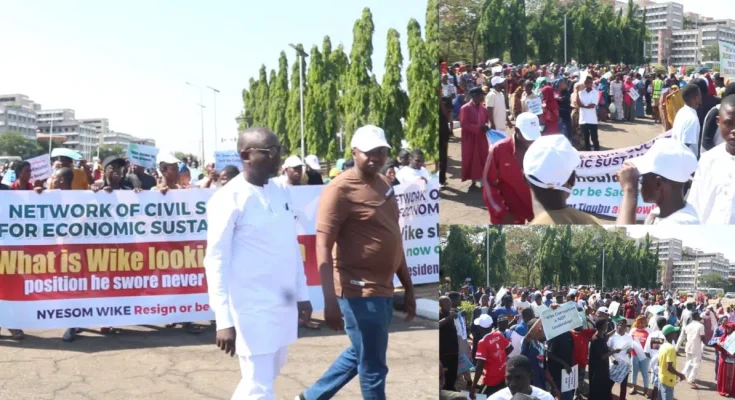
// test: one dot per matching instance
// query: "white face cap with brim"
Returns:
(668, 158)
(368, 138)
(550, 161)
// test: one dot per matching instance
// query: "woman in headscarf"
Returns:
(719, 332)
(628, 104)
(577, 136)
(616, 92)
(725, 365)
(550, 111)
(709, 321)
(640, 87)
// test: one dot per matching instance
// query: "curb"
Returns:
(425, 308)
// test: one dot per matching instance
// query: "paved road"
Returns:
(459, 207)
(158, 363)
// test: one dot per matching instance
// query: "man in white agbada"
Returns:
(686, 126)
(255, 273)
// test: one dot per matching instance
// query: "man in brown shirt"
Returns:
(359, 250)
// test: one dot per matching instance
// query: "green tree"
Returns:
(423, 114)
(711, 53)
(493, 28)
(315, 106)
(278, 101)
(432, 29)
(712, 280)
(293, 109)
(459, 38)
(15, 144)
(248, 99)
(545, 29)
(114, 150)
(260, 110)
(394, 98)
(332, 112)
(517, 33)
(357, 91)
(457, 259)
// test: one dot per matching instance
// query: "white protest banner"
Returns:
(40, 167)
(729, 344)
(223, 158)
(634, 95)
(562, 319)
(614, 307)
(642, 71)
(496, 69)
(569, 381)
(534, 105)
(83, 259)
(597, 190)
(142, 155)
(727, 59)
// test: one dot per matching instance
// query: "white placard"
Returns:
(634, 95)
(534, 105)
(142, 155)
(614, 307)
(569, 381)
(40, 168)
(727, 60)
(642, 71)
(224, 158)
(562, 319)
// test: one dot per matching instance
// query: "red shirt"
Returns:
(581, 346)
(640, 335)
(629, 310)
(16, 186)
(507, 190)
(491, 348)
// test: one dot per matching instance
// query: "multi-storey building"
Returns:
(667, 248)
(113, 138)
(18, 114)
(80, 137)
(102, 125)
(686, 273)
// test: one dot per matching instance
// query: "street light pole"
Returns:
(50, 136)
(302, 54)
(201, 104)
(214, 94)
(565, 39)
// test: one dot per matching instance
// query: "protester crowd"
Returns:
(624, 333)
(523, 127)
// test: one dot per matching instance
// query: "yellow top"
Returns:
(666, 355)
(80, 181)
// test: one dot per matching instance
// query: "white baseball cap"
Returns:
(550, 161)
(167, 157)
(64, 152)
(529, 126)
(484, 321)
(497, 80)
(313, 162)
(369, 137)
(668, 158)
(292, 161)
(603, 310)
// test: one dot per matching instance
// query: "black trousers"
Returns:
(590, 131)
(444, 134)
(450, 362)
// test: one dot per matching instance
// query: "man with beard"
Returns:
(254, 267)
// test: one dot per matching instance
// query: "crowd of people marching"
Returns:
(522, 128)
(500, 348)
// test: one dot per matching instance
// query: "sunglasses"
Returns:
(271, 151)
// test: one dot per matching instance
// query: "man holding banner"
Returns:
(255, 273)
(358, 219)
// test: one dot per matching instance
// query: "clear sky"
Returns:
(721, 9)
(710, 238)
(128, 60)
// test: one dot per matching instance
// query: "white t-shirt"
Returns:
(449, 90)
(694, 331)
(538, 309)
(713, 189)
(653, 343)
(686, 317)
(496, 100)
(684, 216)
(520, 305)
(686, 126)
(588, 115)
(535, 392)
(409, 175)
(618, 341)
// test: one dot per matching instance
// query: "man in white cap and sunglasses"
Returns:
(549, 166)
(293, 169)
(663, 172)
(505, 192)
(357, 219)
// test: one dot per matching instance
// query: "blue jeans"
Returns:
(665, 392)
(642, 367)
(366, 322)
